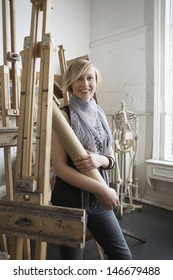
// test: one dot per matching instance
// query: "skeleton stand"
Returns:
(125, 146)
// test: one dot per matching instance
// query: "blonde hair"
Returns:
(75, 70)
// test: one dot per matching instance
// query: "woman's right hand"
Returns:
(108, 198)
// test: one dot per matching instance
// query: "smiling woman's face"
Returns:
(85, 86)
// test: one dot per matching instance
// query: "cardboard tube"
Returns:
(70, 141)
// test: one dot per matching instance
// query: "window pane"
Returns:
(168, 151)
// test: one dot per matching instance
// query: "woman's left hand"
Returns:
(89, 161)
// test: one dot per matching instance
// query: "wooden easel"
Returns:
(33, 217)
(9, 79)
(28, 180)
(10, 86)
(63, 67)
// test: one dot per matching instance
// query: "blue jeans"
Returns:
(105, 228)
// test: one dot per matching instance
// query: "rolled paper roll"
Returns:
(70, 142)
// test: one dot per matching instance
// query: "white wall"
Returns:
(120, 44)
(71, 26)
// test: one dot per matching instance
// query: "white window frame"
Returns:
(160, 167)
(161, 81)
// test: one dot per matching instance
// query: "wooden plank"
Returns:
(6, 104)
(28, 184)
(5, 95)
(13, 25)
(28, 197)
(25, 141)
(40, 250)
(3, 243)
(15, 93)
(25, 157)
(26, 250)
(44, 119)
(8, 137)
(46, 6)
(59, 225)
(19, 248)
(5, 30)
(12, 112)
(133, 235)
(16, 250)
(63, 64)
(19, 157)
(63, 67)
(31, 44)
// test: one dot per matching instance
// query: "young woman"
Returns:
(72, 187)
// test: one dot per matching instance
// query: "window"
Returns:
(163, 100)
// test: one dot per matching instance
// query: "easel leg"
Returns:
(131, 234)
(26, 249)
(40, 250)
(16, 250)
(3, 243)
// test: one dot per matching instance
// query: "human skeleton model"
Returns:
(125, 144)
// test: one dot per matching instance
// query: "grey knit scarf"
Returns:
(90, 125)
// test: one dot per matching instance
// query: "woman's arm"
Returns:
(104, 194)
(92, 160)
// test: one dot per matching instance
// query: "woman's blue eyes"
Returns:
(89, 78)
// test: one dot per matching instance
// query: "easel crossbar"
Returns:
(52, 224)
